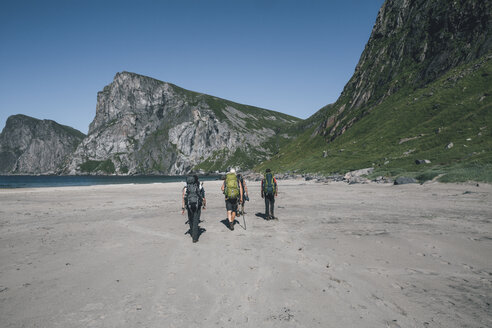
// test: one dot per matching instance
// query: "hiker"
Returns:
(269, 191)
(233, 192)
(245, 194)
(193, 199)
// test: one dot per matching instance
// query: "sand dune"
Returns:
(340, 256)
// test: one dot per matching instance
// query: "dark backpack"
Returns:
(193, 196)
(269, 185)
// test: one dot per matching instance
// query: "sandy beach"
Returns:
(339, 256)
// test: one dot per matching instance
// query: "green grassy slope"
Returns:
(218, 106)
(255, 119)
(408, 126)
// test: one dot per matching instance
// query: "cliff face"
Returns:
(145, 126)
(422, 82)
(32, 146)
(413, 42)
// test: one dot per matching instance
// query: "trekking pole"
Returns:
(244, 220)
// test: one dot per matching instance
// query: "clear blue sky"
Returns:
(285, 55)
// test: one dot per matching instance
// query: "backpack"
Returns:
(231, 186)
(269, 185)
(193, 196)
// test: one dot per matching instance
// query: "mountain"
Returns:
(412, 44)
(425, 68)
(146, 126)
(32, 146)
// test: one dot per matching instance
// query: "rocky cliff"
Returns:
(32, 146)
(413, 43)
(422, 85)
(146, 126)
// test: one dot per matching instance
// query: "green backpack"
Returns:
(269, 185)
(231, 186)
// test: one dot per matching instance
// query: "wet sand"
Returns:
(340, 256)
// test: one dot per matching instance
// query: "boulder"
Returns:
(381, 179)
(357, 180)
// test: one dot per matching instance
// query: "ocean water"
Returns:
(36, 181)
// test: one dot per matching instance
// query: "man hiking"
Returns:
(269, 191)
(245, 194)
(193, 199)
(233, 192)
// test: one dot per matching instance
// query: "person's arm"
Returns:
(223, 186)
(245, 188)
(183, 202)
(262, 189)
(240, 192)
(204, 199)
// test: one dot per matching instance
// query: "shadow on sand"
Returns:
(261, 215)
(225, 222)
(200, 230)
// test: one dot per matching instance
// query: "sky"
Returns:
(291, 56)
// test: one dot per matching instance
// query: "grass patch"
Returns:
(409, 125)
(91, 166)
(470, 172)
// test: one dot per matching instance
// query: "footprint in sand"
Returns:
(296, 283)
(392, 324)
(395, 285)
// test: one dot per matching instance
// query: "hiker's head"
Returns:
(239, 175)
(268, 170)
(232, 170)
(196, 178)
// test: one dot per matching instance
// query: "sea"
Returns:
(39, 181)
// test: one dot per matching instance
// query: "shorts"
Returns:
(231, 204)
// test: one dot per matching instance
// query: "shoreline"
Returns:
(352, 177)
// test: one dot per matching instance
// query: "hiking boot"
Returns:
(275, 218)
(231, 225)
(195, 240)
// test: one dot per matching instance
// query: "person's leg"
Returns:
(196, 220)
(272, 205)
(234, 210)
(269, 207)
(233, 214)
(190, 217)
(267, 212)
(229, 212)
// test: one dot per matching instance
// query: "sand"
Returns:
(339, 256)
